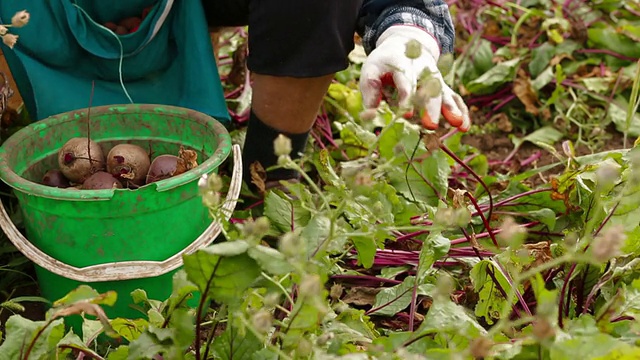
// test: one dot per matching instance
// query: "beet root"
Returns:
(162, 167)
(129, 163)
(130, 23)
(111, 25)
(121, 30)
(79, 158)
(55, 178)
(101, 180)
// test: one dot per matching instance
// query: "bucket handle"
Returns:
(126, 270)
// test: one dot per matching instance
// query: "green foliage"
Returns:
(264, 302)
(399, 244)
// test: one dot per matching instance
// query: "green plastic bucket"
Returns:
(116, 239)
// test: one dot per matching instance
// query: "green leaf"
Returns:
(400, 134)
(271, 260)
(545, 216)
(545, 298)
(540, 58)
(182, 290)
(483, 56)
(366, 247)
(232, 344)
(606, 37)
(121, 353)
(398, 297)
(395, 298)
(589, 276)
(599, 85)
(21, 299)
(632, 244)
(86, 293)
(139, 296)
(395, 340)
(480, 164)
(359, 322)
(356, 140)
(431, 177)
(182, 323)
(392, 272)
(558, 92)
(593, 346)
(630, 29)
(326, 171)
(265, 354)
(338, 91)
(631, 305)
(130, 329)
(90, 328)
(222, 278)
(155, 318)
(309, 312)
(545, 135)
(493, 79)
(435, 169)
(359, 327)
(315, 233)
(170, 342)
(470, 67)
(279, 212)
(627, 210)
(543, 79)
(491, 300)
(20, 333)
(73, 341)
(435, 247)
(530, 202)
(148, 346)
(618, 115)
(378, 205)
(228, 248)
(445, 316)
(626, 353)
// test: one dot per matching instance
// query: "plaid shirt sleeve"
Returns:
(376, 16)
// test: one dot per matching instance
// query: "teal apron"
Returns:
(168, 60)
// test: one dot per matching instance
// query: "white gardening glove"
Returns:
(387, 65)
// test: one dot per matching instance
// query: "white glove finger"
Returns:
(450, 102)
(406, 86)
(370, 85)
(455, 110)
(430, 116)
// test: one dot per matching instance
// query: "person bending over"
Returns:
(297, 46)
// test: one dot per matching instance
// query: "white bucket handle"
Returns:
(126, 270)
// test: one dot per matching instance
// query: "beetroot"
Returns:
(162, 167)
(130, 23)
(121, 30)
(111, 25)
(129, 163)
(79, 158)
(55, 178)
(101, 180)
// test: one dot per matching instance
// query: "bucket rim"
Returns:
(12, 179)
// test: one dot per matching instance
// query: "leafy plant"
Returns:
(402, 243)
(464, 270)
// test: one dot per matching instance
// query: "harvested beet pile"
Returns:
(82, 164)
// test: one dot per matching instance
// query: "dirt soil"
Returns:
(497, 145)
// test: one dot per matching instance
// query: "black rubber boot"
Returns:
(258, 147)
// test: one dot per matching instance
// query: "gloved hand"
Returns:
(387, 65)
